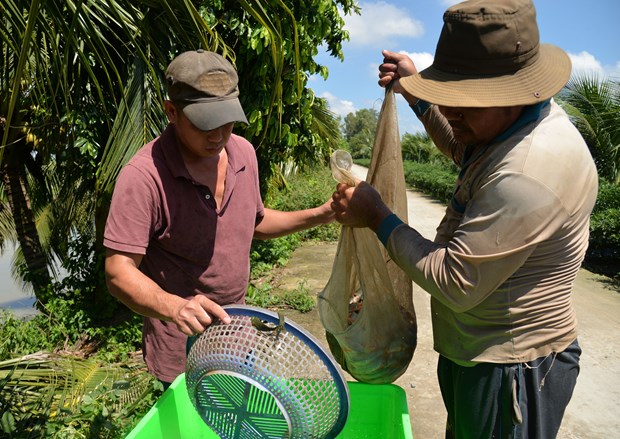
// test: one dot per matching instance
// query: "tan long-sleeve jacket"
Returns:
(500, 273)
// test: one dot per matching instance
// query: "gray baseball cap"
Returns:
(205, 85)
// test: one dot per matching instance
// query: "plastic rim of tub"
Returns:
(263, 376)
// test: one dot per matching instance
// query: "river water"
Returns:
(12, 296)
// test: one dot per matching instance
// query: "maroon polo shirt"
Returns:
(189, 246)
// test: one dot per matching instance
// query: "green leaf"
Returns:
(7, 422)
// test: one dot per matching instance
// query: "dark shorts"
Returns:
(165, 384)
(521, 400)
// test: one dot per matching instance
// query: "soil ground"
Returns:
(593, 410)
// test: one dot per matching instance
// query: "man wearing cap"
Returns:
(184, 212)
(501, 267)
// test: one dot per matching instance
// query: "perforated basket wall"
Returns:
(252, 379)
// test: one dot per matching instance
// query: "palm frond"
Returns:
(53, 386)
(593, 105)
(139, 120)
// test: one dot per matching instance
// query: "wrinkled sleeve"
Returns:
(440, 133)
(500, 228)
(134, 212)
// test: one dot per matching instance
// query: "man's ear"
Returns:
(171, 111)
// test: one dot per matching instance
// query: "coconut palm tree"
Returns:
(593, 104)
(81, 92)
(67, 69)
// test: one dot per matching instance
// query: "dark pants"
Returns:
(508, 401)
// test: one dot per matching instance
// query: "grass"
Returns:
(266, 296)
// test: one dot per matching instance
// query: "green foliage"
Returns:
(420, 148)
(84, 82)
(265, 255)
(264, 296)
(67, 69)
(608, 197)
(109, 411)
(300, 299)
(282, 112)
(359, 132)
(593, 104)
(54, 396)
(605, 229)
(71, 318)
(20, 337)
(304, 190)
(69, 322)
(603, 254)
(436, 180)
(310, 187)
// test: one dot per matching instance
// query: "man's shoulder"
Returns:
(241, 152)
(147, 164)
(151, 156)
(242, 143)
(146, 153)
(556, 134)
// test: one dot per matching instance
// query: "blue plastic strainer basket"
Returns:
(262, 376)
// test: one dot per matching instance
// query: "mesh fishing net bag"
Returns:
(367, 307)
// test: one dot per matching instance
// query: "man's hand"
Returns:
(395, 66)
(359, 206)
(196, 314)
(139, 293)
(325, 213)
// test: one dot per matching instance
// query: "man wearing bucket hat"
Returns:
(501, 267)
(184, 211)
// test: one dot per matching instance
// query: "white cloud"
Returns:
(380, 23)
(421, 60)
(585, 63)
(337, 105)
(448, 3)
(615, 70)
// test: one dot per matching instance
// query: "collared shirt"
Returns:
(500, 271)
(189, 245)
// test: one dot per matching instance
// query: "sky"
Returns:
(587, 30)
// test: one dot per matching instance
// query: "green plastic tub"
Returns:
(377, 411)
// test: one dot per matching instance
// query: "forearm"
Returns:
(277, 223)
(458, 277)
(440, 133)
(141, 294)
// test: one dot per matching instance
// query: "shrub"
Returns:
(303, 190)
(264, 255)
(20, 337)
(436, 180)
(605, 229)
(603, 254)
(608, 197)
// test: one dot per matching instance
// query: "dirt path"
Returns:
(593, 411)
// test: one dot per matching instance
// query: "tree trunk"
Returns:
(13, 176)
